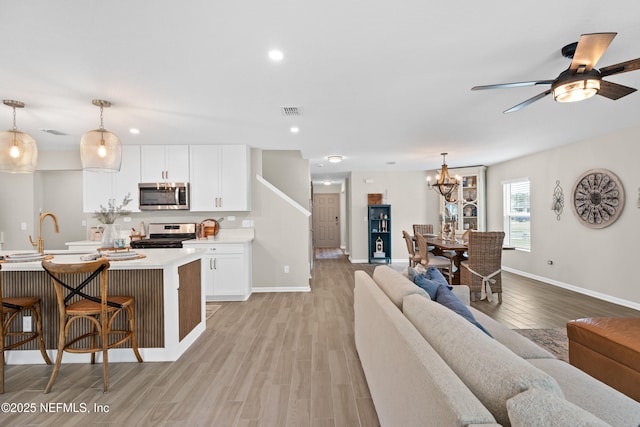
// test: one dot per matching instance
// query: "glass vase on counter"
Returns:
(109, 235)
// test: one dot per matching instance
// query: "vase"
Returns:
(109, 235)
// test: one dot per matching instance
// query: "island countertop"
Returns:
(153, 259)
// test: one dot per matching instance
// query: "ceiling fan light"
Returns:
(576, 90)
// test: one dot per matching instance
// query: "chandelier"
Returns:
(445, 185)
(100, 150)
(18, 150)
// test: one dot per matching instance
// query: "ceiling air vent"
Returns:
(53, 132)
(290, 111)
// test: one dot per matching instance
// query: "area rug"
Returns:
(211, 308)
(553, 340)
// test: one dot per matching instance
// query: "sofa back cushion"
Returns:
(395, 285)
(491, 371)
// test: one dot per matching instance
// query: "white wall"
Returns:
(410, 201)
(595, 261)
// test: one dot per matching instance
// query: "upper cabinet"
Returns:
(469, 209)
(164, 163)
(219, 177)
(98, 188)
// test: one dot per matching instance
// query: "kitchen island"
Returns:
(166, 285)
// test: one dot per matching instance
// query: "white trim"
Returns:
(283, 196)
(598, 295)
(281, 289)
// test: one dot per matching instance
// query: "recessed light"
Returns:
(327, 182)
(294, 129)
(334, 159)
(134, 131)
(276, 55)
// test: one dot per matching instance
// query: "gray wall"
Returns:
(594, 261)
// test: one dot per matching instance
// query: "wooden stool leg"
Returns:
(132, 327)
(37, 313)
(2, 361)
(56, 368)
(105, 356)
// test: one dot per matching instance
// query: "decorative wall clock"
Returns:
(598, 198)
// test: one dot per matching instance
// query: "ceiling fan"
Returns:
(581, 80)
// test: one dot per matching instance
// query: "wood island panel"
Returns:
(146, 286)
(189, 298)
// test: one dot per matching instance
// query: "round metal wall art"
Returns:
(598, 198)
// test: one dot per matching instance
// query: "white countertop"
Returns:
(226, 235)
(154, 259)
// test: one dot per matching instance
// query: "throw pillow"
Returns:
(434, 274)
(429, 286)
(447, 298)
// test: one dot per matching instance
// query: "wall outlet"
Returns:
(247, 223)
(23, 226)
(127, 219)
(26, 324)
(84, 222)
(286, 269)
(231, 218)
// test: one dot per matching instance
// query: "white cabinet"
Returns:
(225, 270)
(219, 177)
(469, 209)
(98, 188)
(162, 163)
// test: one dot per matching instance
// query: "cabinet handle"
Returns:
(215, 267)
(210, 263)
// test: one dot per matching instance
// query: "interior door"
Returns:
(326, 220)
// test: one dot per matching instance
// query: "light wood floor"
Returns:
(285, 359)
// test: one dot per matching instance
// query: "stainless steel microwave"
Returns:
(164, 195)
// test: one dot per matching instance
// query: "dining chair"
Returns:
(76, 304)
(422, 229)
(414, 258)
(445, 265)
(482, 270)
(13, 310)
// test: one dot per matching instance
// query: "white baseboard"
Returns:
(598, 295)
(265, 289)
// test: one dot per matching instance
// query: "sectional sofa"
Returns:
(426, 365)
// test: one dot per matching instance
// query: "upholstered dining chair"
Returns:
(482, 271)
(414, 258)
(13, 337)
(76, 304)
(445, 265)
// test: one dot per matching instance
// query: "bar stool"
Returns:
(11, 309)
(75, 304)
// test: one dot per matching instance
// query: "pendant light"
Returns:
(100, 150)
(445, 185)
(18, 150)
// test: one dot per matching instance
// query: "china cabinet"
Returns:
(468, 210)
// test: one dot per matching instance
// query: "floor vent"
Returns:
(290, 111)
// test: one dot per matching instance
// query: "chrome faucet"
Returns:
(40, 242)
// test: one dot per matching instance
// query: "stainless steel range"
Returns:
(166, 235)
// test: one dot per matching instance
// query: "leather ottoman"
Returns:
(608, 348)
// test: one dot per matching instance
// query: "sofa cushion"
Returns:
(491, 371)
(594, 396)
(539, 408)
(395, 285)
(429, 286)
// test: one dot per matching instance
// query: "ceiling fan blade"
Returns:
(622, 67)
(589, 50)
(516, 84)
(614, 90)
(527, 102)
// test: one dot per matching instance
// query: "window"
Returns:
(517, 211)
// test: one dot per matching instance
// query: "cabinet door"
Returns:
(234, 178)
(97, 189)
(204, 177)
(152, 165)
(126, 181)
(177, 163)
(164, 163)
(229, 277)
(208, 274)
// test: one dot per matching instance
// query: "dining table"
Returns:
(453, 249)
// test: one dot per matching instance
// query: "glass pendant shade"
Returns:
(100, 150)
(18, 150)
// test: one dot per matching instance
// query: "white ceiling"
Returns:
(376, 81)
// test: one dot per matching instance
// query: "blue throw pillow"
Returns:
(447, 298)
(429, 286)
(434, 274)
